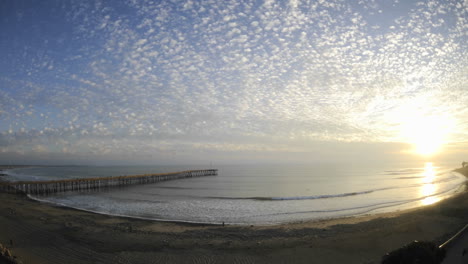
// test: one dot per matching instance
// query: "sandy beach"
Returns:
(42, 233)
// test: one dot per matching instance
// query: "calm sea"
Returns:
(258, 194)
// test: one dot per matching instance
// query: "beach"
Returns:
(38, 232)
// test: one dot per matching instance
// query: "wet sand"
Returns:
(43, 233)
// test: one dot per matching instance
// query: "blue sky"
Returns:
(192, 81)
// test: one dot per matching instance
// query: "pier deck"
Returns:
(87, 184)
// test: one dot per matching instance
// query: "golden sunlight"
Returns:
(429, 173)
(426, 134)
(429, 188)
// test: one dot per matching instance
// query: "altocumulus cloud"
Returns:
(160, 78)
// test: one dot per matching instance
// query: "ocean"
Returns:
(257, 194)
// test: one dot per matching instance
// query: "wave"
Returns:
(439, 171)
(325, 196)
(442, 179)
(403, 171)
(372, 207)
(341, 195)
(13, 175)
(318, 214)
(410, 177)
(152, 218)
(312, 197)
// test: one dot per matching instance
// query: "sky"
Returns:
(185, 81)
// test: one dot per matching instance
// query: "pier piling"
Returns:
(87, 184)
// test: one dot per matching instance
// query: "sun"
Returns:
(427, 138)
(427, 134)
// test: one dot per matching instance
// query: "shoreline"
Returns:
(44, 233)
(376, 211)
(327, 221)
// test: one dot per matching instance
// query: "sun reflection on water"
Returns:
(429, 188)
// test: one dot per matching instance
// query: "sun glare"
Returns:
(426, 134)
(427, 138)
(429, 188)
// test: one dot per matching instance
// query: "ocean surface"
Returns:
(257, 194)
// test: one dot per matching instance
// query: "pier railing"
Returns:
(87, 184)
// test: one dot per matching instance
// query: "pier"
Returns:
(88, 184)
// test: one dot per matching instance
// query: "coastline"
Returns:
(44, 233)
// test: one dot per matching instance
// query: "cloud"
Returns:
(234, 72)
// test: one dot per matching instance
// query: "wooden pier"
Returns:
(88, 184)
